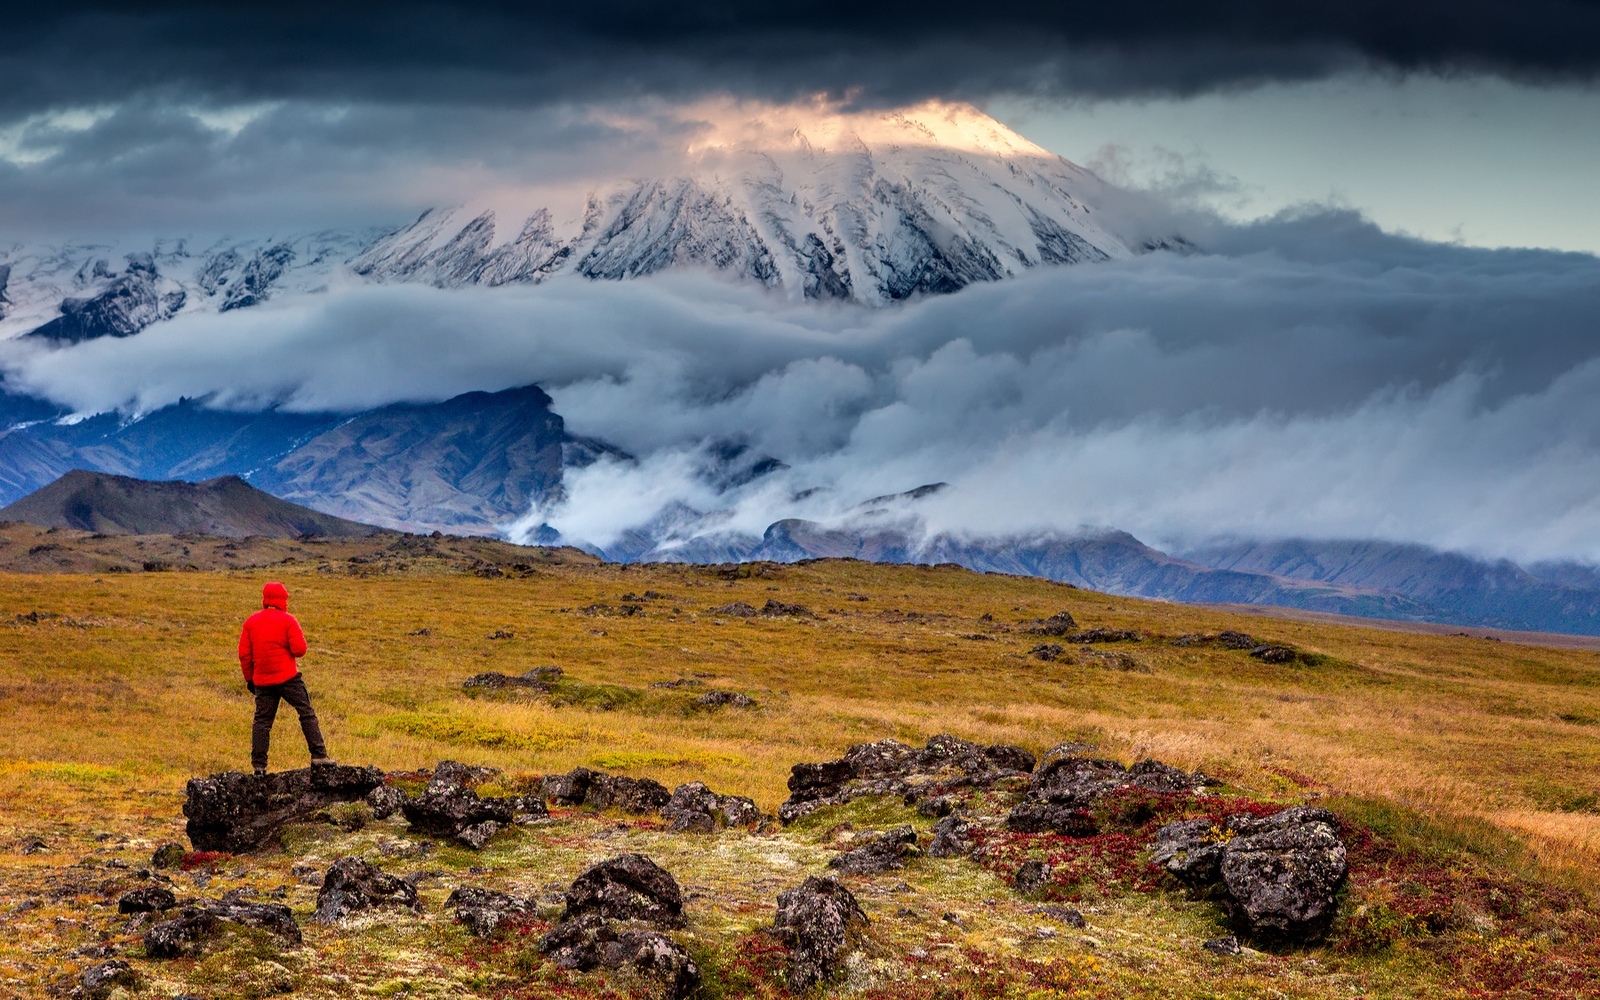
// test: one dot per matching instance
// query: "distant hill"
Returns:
(118, 505)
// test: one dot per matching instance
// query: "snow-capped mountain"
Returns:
(866, 208)
(872, 209)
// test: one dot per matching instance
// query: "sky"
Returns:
(1387, 328)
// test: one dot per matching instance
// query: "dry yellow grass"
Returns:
(124, 685)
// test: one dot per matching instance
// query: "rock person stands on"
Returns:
(269, 645)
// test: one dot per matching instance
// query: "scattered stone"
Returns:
(1031, 877)
(681, 682)
(1033, 816)
(1112, 660)
(820, 921)
(236, 812)
(195, 926)
(716, 699)
(778, 609)
(737, 609)
(694, 808)
(420, 631)
(1275, 654)
(626, 887)
(352, 885)
(1103, 635)
(385, 801)
(1154, 776)
(950, 838)
(501, 633)
(1225, 946)
(483, 910)
(449, 808)
(168, 855)
(33, 845)
(1047, 651)
(937, 807)
(1062, 914)
(891, 768)
(590, 943)
(1059, 623)
(1280, 875)
(1236, 640)
(880, 853)
(583, 787)
(100, 981)
(147, 899)
(400, 849)
(495, 681)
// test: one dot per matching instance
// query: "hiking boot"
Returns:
(323, 762)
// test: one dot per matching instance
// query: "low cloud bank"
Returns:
(1309, 376)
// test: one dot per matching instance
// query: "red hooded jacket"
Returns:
(271, 640)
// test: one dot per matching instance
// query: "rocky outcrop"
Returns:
(820, 921)
(1278, 876)
(664, 966)
(495, 681)
(598, 790)
(1067, 785)
(129, 303)
(1060, 623)
(353, 885)
(448, 807)
(385, 801)
(694, 808)
(103, 981)
(889, 767)
(879, 852)
(484, 910)
(197, 926)
(238, 812)
(951, 838)
(148, 899)
(626, 887)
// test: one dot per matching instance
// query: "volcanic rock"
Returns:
(737, 609)
(1059, 623)
(195, 926)
(598, 790)
(448, 808)
(236, 812)
(148, 899)
(820, 921)
(483, 910)
(889, 767)
(168, 855)
(353, 885)
(1102, 635)
(590, 942)
(950, 838)
(778, 609)
(694, 808)
(1275, 654)
(385, 801)
(716, 699)
(1034, 816)
(1031, 877)
(495, 681)
(880, 853)
(100, 981)
(626, 887)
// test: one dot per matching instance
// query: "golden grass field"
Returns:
(116, 688)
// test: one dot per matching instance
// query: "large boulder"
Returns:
(617, 791)
(448, 807)
(353, 885)
(889, 767)
(652, 959)
(951, 838)
(1278, 876)
(484, 910)
(821, 922)
(626, 887)
(237, 812)
(197, 926)
(694, 808)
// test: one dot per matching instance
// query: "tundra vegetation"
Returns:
(1462, 773)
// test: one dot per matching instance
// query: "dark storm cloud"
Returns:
(76, 52)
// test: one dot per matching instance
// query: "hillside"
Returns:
(117, 505)
(1461, 772)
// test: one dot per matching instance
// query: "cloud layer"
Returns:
(1307, 376)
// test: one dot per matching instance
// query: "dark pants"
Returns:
(294, 692)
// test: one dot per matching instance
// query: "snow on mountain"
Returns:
(868, 208)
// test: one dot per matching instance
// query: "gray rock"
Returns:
(717, 699)
(449, 808)
(821, 922)
(385, 801)
(950, 838)
(889, 767)
(484, 910)
(353, 885)
(1031, 877)
(147, 899)
(590, 942)
(615, 791)
(1225, 946)
(1059, 623)
(168, 855)
(881, 852)
(1062, 914)
(1033, 816)
(694, 808)
(100, 981)
(626, 887)
(238, 813)
(195, 926)
(737, 609)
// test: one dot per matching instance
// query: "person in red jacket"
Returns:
(269, 645)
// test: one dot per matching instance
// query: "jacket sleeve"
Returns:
(246, 662)
(297, 639)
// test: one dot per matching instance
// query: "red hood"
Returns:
(275, 595)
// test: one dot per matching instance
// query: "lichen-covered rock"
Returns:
(1076, 781)
(950, 838)
(238, 812)
(1066, 819)
(147, 899)
(716, 699)
(99, 982)
(196, 926)
(694, 808)
(168, 855)
(495, 681)
(484, 910)
(1031, 877)
(570, 789)
(879, 853)
(626, 887)
(590, 942)
(353, 885)
(385, 801)
(1279, 875)
(1154, 776)
(448, 807)
(616, 791)
(821, 922)
(1059, 623)
(889, 767)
